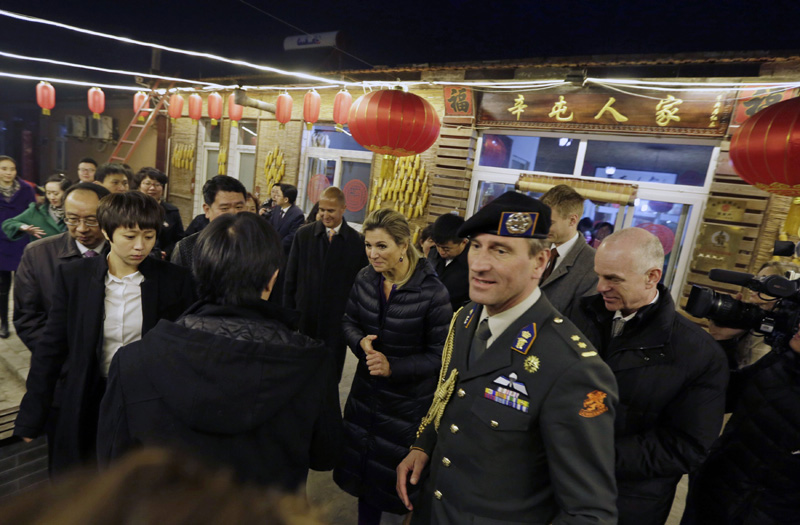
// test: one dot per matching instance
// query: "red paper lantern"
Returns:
(311, 108)
(140, 101)
(195, 107)
(393, 122)
(215, 107)
(97, 102)
(765, 151)
(175, 106)
(45, 96)
(235, 111)
(283, 112)
(341, 108)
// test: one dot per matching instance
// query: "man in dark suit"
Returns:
(520, 430)
(326, 255)
(99, 304)
(286, 218)
(221, 194)
(33, 287)
(672, 375)
(449, 259)
(570, 271)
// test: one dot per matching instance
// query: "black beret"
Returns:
(511, 214)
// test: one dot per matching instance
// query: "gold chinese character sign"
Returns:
(704, 113)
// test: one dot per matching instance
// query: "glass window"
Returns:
(247, 169)
(355, 185)
(319, 176)
(248, 132)
(647, 162)
(517, 152)
(212, 163)
(212, 132)
(327, 137)
(665, 220)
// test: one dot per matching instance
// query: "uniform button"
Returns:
(453, 428)
(445, 462)
(437, 494)
(461, 392)
(494, 423)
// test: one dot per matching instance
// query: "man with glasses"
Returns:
(449, 259)
(86, 169)
(33, 288)
(35, 279)
(113, 177)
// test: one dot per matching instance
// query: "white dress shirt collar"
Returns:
(498, 323)
(565, 248)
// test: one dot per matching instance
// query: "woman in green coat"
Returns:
(41, 220)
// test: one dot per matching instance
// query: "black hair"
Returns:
(149, 173)
(445, 229)
(110, 169)
(101, 191)
(312, 215)
(88, 160)
(426, 233)
(129, 210)
(289, 191)
(63, 182)
(235, 258)
(220, 183)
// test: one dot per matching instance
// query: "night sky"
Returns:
(383, 33)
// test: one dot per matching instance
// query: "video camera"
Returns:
(778, 324)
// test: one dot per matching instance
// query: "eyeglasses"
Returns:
(148, 184)
(90, 222)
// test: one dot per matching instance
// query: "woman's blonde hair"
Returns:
(396, 225)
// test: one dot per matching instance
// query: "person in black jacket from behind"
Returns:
(229, 381)
(752, 474)
(395, 322)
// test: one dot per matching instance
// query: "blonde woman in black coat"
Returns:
(395, 323)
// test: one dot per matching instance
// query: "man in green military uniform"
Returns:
(521, 427)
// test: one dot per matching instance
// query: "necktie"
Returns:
(617, 325)
(550, 265)
(89, 253)
(482, 335)
(331, 233)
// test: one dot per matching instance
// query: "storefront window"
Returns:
(248, 132)
(647, 162)
(524, 153)
(355, 185)
(324, 136)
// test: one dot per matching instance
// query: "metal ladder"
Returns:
(132, 136)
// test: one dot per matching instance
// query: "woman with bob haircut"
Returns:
(395, 322)
(99, 304)
(231, 381)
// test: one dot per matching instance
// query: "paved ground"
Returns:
(340, 506)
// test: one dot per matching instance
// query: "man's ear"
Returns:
(206, 209)
(653, 276)
(539, 262)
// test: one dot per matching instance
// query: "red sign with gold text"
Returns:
(751, 101)
(669, 112)
(458, 101)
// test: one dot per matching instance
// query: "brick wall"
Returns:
(22, 465)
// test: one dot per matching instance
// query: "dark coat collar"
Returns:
(345, 231)
(67, 249)
(256, 311)
(651, 327)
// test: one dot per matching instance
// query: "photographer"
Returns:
(752, 474)
(743, 347)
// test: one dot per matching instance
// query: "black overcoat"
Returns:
(74, 334)
(381, 415)
(672, 378)
(454, 276)
(319, 276)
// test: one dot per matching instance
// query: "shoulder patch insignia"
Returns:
(468, 318)
(524, 339)
(593, 405)
(532, 364)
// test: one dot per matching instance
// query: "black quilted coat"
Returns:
(382, 415)
(752, 474)
(232, 384)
